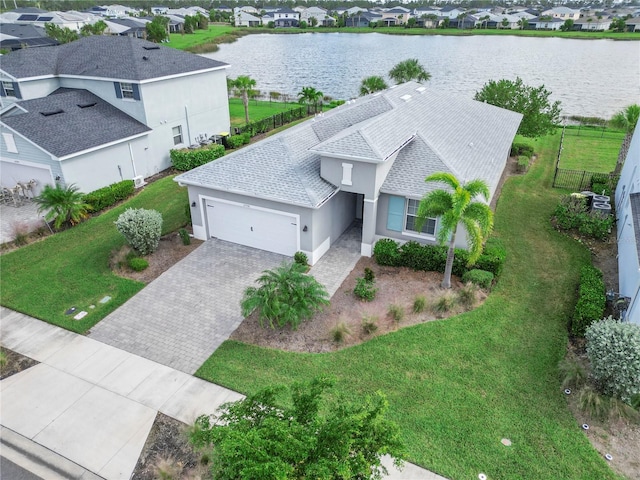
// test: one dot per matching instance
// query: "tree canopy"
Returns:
(61, 34)
(372, 84)
(540, 116)
(626, 119)
(318, 436)
(157, 29)
(408, 70)
(243, 84)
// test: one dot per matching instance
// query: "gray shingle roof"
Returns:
(105, 56)
(74, 130)
(430, 132)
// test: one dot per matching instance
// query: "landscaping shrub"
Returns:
(493, 257)
(613, 349)
(445, 303)
(369, 324)
(601, 189)
(184, 235)
(141, 228)
(521, 149)
(369, 276)
(572, 373)
(482, 278)
(523, 163)
(365, 290)
(301, 258)
(137, 264)
(595, 225)
(467, 295)
(396, 312)
(340, 332)
(591, 300)
(419, 304)
(567, 211)
(186, 159)
(236, 141)
(387, 252)
(107, 196)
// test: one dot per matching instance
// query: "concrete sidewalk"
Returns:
(95, 404)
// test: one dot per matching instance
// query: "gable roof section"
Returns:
(106, 56)
(75, 129)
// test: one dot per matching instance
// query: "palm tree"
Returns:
(454, 206)
(310, 96)
(626, 120)
(62, 205)
(408, 70)
(372, 84)
(244, 83)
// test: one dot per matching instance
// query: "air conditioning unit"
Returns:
(602, 198)
(601, 208)
(139, 181)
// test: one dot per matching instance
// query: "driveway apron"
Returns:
(181, 317)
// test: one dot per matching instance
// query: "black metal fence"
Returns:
(581, 180)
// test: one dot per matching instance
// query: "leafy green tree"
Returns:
(313, 21)
(454, 206)
(310, 96)
(619, 24)
(286, 296)
(63, 205)
(540, 116)
(158, 29)
(411, 22)
(567, 26)
(318, 436)
(505, 22)
(408, 70)
(203, 22)
(303, 25)
(97, 28)
(243, 84)
(61, 34)
(372, 84)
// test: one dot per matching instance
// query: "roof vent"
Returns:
(144, 57)
(151, 47)
(51, 113)
(420, 89)
(406, 98)
(87, 105)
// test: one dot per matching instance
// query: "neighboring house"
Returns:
(633, 24)
(176, 96)
(451, 12)
(286, 17)
(592, 23)
(564, 13)
(129, 27)
(244, 19)
(14, 36)
(627, 201)
(364, 161)
(399, 15)
(320, 14)
(498, 21)
(364, 19)
(545, 23)
(159, 10)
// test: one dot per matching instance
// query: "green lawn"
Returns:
(213, 35)
(456, 387)
(258, 109)
(591, 149)
(71, 268)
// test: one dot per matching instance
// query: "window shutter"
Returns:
(118, 90)
(16, 90)
(136, 91)
(395, 215)
(2, 92)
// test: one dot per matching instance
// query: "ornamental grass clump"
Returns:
(141, 228)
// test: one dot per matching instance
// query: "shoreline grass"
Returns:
(456, 387)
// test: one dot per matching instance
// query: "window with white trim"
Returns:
(177, 135)
(127, 90)
(9, 91)
(429, 226)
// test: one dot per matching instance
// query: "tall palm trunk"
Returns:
(245, 102)
(446, 281)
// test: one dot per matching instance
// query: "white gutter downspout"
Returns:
(186, 114)
(133, 163)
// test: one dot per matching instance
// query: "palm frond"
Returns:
(444, 177)
(477, 187)
(475, 239)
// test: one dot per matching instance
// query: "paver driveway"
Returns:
(181, 317)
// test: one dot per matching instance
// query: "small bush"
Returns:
(107, 196)
(340, 332)
(186, 159)
(595, 225)
(396, 312)
(445, 303)
(365, 290)
(613, 349)
(619, 410)
(369, 324)
(419, 304)
(572, 373)
(236, 141)
(20, 233)
(184, 235)
(481, 278)
(523, 163)
(141, 228)
(521, 149)
(493, 257)
(386, 252)
(601, 189)
(572, 213)
(591, 300)
(301, 258)
(137, 264)
(591, 402)
(467, 295)
(369, 276)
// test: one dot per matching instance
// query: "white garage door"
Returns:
(12, 173)
(254, 227)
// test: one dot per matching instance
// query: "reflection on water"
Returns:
(589, 77)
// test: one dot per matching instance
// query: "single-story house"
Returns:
(546, 23)
(627, 198)
(14, 36)
(592, 24)
(364, 161)
(245, 19)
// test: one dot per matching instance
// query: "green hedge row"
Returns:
(236, 141)
(434, 257)
(591, 300)
(107, 196)
(186, 159)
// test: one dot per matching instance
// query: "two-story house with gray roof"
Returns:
(363, 161)
(104, 108)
